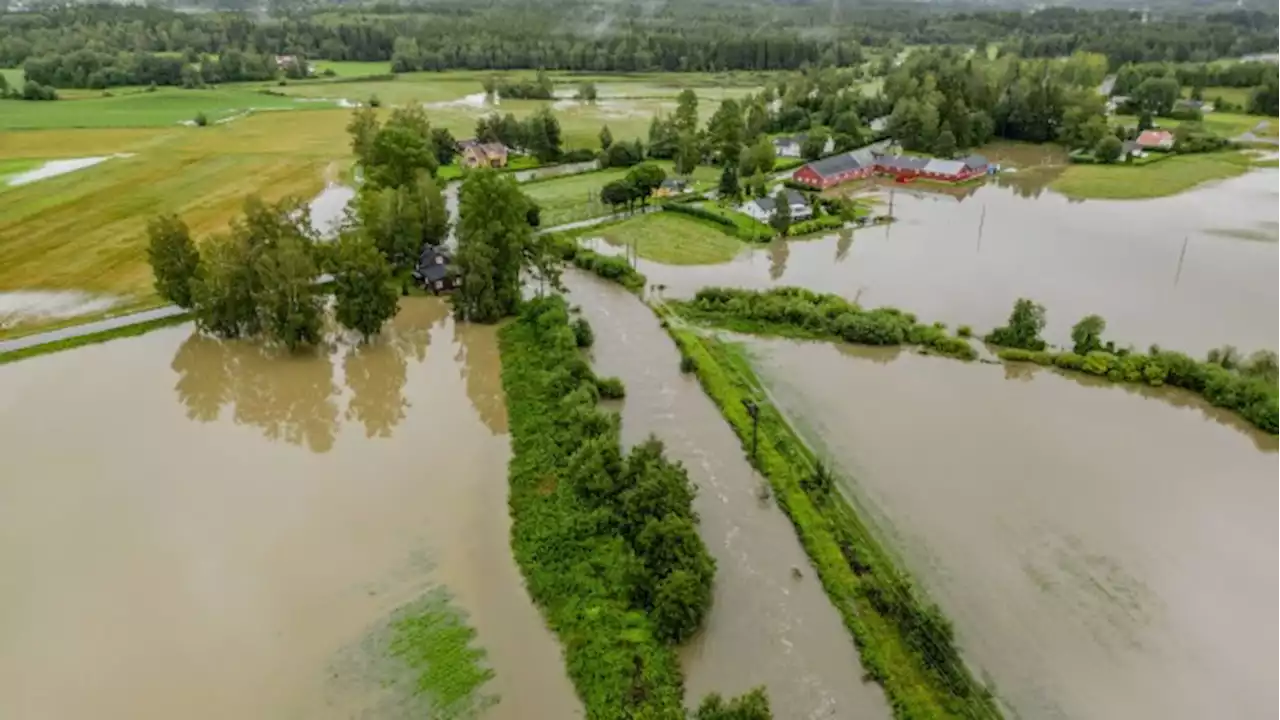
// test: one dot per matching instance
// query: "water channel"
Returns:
(200, 529)
(1104, 552)
(765, 626)
(1189, 272)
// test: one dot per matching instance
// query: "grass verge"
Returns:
(905, 643)
(92, 339)
(1169, 177)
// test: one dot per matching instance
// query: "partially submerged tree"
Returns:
(1023, 331)
(1086, 335)
(364, 296)
(174, 259)
(285, 296)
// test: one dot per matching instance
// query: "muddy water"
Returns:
(1172, 271)
(198, 529)
(765, 626)
(1102, 554)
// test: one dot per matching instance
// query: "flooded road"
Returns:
(765, 626)
(198, 529)
(1102, 553)
(1189, 272)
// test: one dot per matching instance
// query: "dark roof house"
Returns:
(434, 270)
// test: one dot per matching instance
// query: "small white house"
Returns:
(789, 146)
(762, 209)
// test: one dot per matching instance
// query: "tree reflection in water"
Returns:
(779, 251)
(844, 243)
(479, 363)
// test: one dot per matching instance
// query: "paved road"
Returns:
(89, 328)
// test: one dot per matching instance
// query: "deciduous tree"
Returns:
(288, 306)
(493, 245)
(174, 259)
(781, 218)
(364, 296)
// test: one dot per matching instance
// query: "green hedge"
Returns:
(1254, 398)
(607, 543)
(735, 223)
(818, 224)
(609, 267)
(797, 312)
(905, 643)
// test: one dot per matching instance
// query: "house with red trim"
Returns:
(1155, 140)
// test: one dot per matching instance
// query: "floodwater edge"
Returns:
(132, 330)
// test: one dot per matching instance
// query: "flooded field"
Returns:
(200, 529)
(1190, 272)
(1103, 553)
(765, 626)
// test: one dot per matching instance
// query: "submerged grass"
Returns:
(92, 339)
(433, 639)
(905, 643)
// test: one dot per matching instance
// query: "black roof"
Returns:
(674, 182)
(836, 164)
(429, 268)
(766, 203)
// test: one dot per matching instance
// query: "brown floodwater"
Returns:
(1102, 553)
(765, 626)
(198, 529)
(1190, 272)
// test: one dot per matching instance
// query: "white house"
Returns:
(789, 147)
(763, 208)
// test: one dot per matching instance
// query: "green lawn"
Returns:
(671, 239)
(165, 106)
(14, 76)
(1167, 177)
(747, 225)
(13, 166)
(577, 197)
(1228, 125)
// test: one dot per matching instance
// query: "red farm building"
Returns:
(864, 162)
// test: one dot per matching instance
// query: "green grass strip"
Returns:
(905, 643)
(92, 338)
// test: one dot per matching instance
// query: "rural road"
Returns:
(74, 331)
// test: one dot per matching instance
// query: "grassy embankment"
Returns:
(904, 642)
(1167, 177)
(607, 544)
(100, 337)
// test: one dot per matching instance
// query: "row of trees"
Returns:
(1156, 87)
(30, 91)
(86, 68)
(539, 134)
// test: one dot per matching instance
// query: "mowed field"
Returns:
(577, 197)
(85, 230)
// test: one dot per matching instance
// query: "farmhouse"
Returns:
(671, 187)
(762, 209)
(1155, 140)
(433, 270)
(478, 154)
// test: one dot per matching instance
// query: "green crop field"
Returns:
(351, 68)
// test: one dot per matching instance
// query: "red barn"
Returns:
(833, 171)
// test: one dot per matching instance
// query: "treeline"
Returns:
(607, 541)
(1156, 87)
(944, 101)
(1247, 386)
(581, 36)
(85, 68)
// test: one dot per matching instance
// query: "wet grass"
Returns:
(433, 639)
(1168, 177)
(93, 339)
(577, 197)
(904, 642)
(671, 239)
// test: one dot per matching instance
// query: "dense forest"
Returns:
(104, 45)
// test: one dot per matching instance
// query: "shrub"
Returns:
(201, 120)
(611, 388)
(687, 364)
(1098, 362)
(818, 224)
(582, 333)
(329, 72)
(578, 155)
(964, 331)
(1023, 331)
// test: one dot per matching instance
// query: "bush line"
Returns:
(800, 313)
(905, 643)
(609, 267)
(607, 543)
